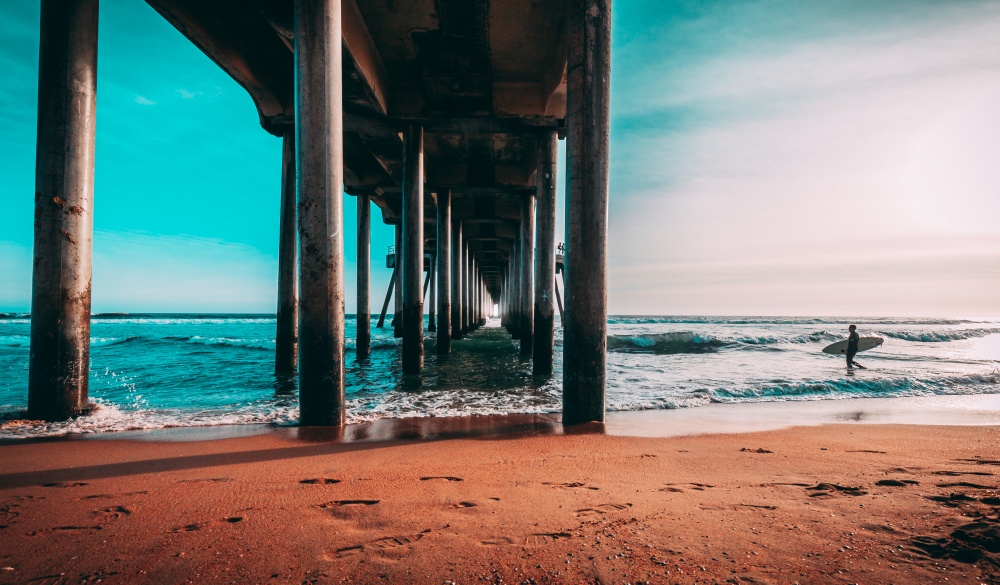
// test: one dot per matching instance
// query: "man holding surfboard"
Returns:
(852, 347)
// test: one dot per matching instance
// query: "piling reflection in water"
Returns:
(432, 429)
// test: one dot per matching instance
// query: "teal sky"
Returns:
(768, 157)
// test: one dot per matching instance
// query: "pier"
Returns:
(444, 114)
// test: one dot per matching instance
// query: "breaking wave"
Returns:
(939, 336)
(858, 387)
(664, 343)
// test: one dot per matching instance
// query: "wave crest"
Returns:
(664, 343)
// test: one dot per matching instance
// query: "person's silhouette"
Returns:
(852, 347)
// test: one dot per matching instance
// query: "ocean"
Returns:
(156, 371)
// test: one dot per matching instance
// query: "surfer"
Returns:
(852, 347)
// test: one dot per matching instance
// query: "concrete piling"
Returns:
(457, 276)
(432, 303)
(545, 255)
(443, 258)
(527, 289)
(59, 359)
(587, 123)
(515, 293)
(286, 339)
(466, 280)
(363, 314)
(397, 291)
(320, 157)
(413, 249)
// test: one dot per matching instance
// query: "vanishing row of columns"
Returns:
(61, 293)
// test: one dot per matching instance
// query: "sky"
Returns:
(767, 157)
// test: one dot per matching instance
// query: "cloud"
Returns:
(188, 95)
(142, 101)
(762, 166)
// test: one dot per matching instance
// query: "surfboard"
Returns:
(864, 344)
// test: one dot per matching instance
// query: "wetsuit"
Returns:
(852, 347)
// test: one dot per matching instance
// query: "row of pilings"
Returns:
(311, 330)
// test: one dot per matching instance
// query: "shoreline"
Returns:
(709, 419)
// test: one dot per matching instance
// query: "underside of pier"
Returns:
(444, 114)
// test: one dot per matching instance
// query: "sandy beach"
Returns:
(505, 500)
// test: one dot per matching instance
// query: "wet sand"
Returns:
(506, 500)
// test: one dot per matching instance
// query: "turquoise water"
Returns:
(156, 371)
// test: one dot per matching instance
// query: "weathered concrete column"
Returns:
(527, 301)
(364, 312)
(397, 304)
(545, 256)
(456, 285)
(443, 258)
(587, 122)
(286, 339)
(320, 156)
(413, 249)
(432, 306)
(515, 297)
(466, 278)
(470, 287)
(475, 294)
(59, 362)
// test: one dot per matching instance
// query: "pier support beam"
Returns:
(413, 249)
(59, 367)
(527, 301)
(286, 339)
(467, 274)
(456, 286)
(397, 291)
(320, 180)
(443, 258)
(514, 326)
(545, 258)
(587, 122)
(432, 306)
(364, 312)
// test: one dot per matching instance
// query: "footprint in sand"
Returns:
(897, 482)
(979, 461)
(64, 529)
(320, 480)
(961, 473)
(461, 505)
(673, 487)
(444, 477)
(967, 484)
(193, 527)
(208, 480)
(387, 543)
(112, 496)
(8, 514)
(571, 485)
(544, 538)
(113, 513)
(601, 510)
(499, 541)
(342, 503)
(828, 489)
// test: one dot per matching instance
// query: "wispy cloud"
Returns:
(143, 101)
(828, 149)
(188, 95)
